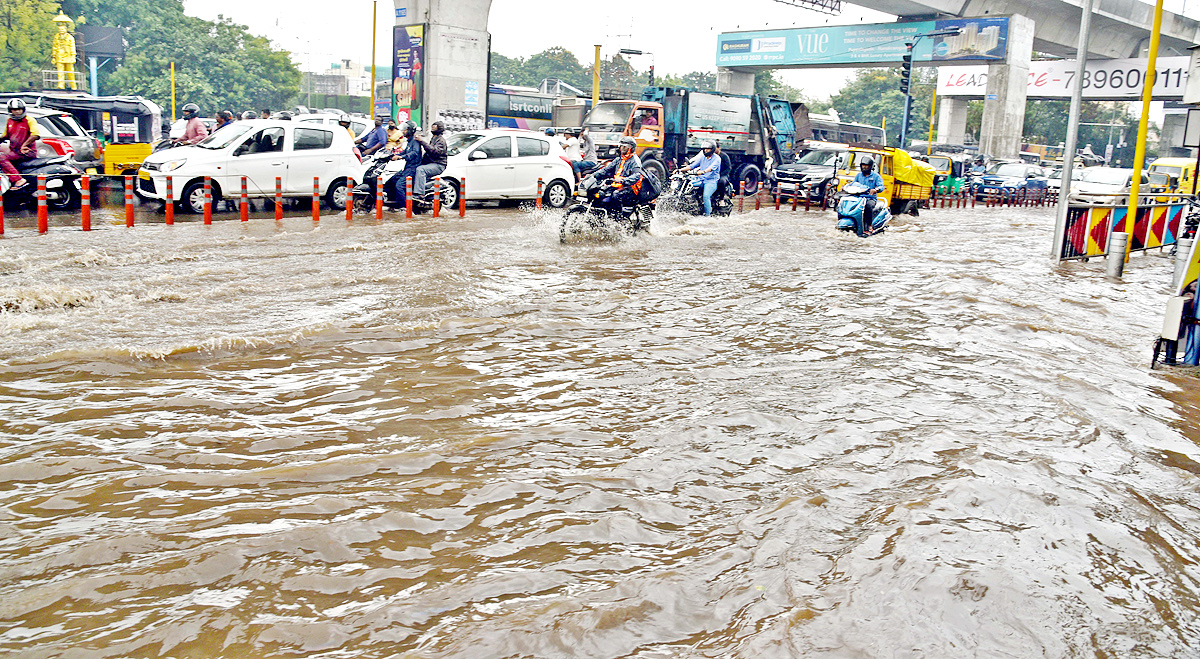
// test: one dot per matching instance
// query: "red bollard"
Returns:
(408, 197)
(795, 192)
(776, 196)
(349, 200)
(278, 198)
(808, 201)
(437, 197)
(758, 198)
(316, 199)
(128, 201)
(462, 197)
(379, 198)
(538, 203)
(208, 200)
(244, 204)
(85, 204)
(42, 218)
(169, 207)
(741, 195)
(972, 200)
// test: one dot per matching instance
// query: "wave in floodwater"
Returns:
(752, 436)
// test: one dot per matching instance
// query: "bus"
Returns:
(519, 107)
(827, 128)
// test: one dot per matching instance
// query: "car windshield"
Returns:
(608, 116)
(1105, 176)
(1008, 169)
(940, 163)
(1170, 171)
(225, 136)
(827, 158)
(460, 142)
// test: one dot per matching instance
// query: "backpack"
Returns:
(651, 187)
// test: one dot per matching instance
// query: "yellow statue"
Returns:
(63, 54)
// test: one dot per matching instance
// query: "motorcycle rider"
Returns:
(194, 130)
(224, 118)
(707, 168)
(624, 175)
(587, 154)
(723, 183)
(395, 187)
(873, 182)
(21, 132)
(434, 159)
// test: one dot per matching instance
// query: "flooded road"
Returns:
(748, 437)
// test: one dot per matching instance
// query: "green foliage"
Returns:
(699, 80)
(218, 64)
(26, 33)
(874, 95)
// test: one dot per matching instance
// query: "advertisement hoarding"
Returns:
(408, 85)
(1102, 79)
(979, 39)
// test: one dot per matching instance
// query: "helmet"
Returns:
(550, 132)
(249, 114)
(345, 121)
(225, 115)
(409, 127)
(190, 110)
(627, 141)
(16, 104)
(708, 145)
(868, 161)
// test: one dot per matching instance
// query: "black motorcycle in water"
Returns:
(684, 197)
(62, 183)
(600, 214)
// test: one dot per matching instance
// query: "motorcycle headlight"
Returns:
(172, 165)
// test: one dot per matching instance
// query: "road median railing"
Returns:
(1093, 218)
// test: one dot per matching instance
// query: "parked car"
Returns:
(813, 171)
(61, 126)
(505, 164)
(1009, 178)
(1111, 185)
(260, 150)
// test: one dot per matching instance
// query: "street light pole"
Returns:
(630, 51)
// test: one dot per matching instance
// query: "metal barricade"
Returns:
(1092, 218)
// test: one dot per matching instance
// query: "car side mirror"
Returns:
(478, 155)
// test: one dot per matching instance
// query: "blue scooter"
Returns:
(851, 201)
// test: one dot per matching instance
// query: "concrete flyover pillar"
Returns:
(454, 70)
(735, 81)
(952, 121)
(1008, 83)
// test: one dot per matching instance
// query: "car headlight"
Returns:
(172, 165)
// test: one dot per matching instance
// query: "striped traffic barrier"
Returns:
(758, 198)
(741, 195)
(776, 193)
(169, 207)
(538, 202)
(278, 198)
(128, 201)
(316, 206)
(408, 197)
(437, 197)
(244, 203)
(379, 198)
(85, 203)
(42, 217)
(208, 200)
(349, 200)
(794, 197)
(462, 197)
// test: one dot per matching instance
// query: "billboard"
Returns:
(1110, 79)
(408, 85)
(979, 39)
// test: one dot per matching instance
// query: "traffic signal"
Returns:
(906, 69)
(651, 75)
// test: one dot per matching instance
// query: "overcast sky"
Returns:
(681, 35)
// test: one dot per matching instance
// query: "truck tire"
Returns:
(751, 175)
(655, 165)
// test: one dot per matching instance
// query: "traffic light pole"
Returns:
(906, 87)
(904, 123)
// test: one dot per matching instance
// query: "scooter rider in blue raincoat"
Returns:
(873, 182)
(707, 168)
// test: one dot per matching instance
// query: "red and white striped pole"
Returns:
(207, 200)
(316, 199)
(379, 198)
(349, 199)
(85, 203)
(538, 203)
(408, 197)
(42, 219)
(169, 208)
(462, 197)
(437, 197)
(741, 195)
(244, 203)
(128, 201)
(278, 198)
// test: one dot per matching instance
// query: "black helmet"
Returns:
(868, 161)
(190, 110)
(627, 141)
(15, 105)
(708, 145)
(410, 127)
(550, 132)
(225, 115)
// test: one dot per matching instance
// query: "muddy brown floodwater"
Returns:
(748, 437)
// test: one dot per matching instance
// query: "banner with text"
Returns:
(1111, 79)
(408, 52)
(866, 45)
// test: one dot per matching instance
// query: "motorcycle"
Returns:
(850, 204)
(682, 196)
(376, 165)
(62, 183)
(600, 213)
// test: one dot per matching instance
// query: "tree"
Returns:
(558, 63)
(874, 96)
(27, 32)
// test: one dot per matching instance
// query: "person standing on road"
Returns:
(434, 158)
(194, 131)
(706, 168)
(587, 157)
(374, 140)
(21, 132)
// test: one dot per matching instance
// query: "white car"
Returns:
(360, 126)
(260, 150)
(505, 164)
(1106, 185)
